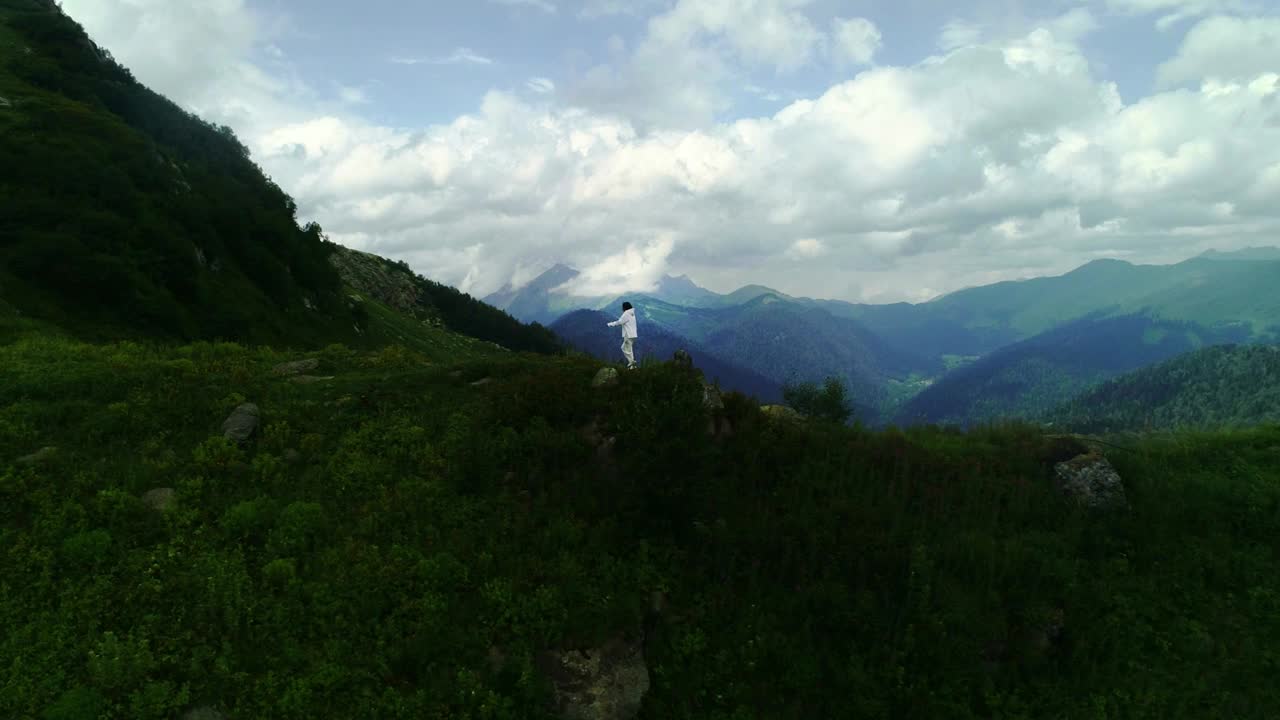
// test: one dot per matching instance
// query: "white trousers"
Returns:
(628, 351)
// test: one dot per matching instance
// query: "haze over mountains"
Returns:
(1036, 342)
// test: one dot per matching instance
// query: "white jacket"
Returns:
(628, 323)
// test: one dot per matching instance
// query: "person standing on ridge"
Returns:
(628, 323)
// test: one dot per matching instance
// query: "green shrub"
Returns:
(297, 528)
(88, 548)
(80, 703)
(249, 520)
(830, 402)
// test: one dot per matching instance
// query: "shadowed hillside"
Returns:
(125, 215)
(1032, 377)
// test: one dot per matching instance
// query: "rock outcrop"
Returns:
(1090, 480)
(374, 277)
(606, 377)
(604, 683)
(309, 379)
(241, 424)
(160, 499)
(296, 367)
(781, 412)
(39, 457)
(711, 399)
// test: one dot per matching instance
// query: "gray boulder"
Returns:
(782, 412)
(605, 377)
(711, 399)
(162, 499)
(1091, 481)
(309, 379)
(604, 683)
(241, 424)
(204, 713)
(39, 457)
(296, 367)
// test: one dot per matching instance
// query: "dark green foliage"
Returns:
(126, 216)
(829, 402)
(387, 532)
(1220, 386)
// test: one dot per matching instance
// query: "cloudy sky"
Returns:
(854, 149)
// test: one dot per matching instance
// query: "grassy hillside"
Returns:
(1032, 377)
(433, 304)
(1223, 386)
(587, 331)
(400, 542)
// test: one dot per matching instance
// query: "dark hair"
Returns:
(626, 306)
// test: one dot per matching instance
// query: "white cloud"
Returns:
(763, 93)
(185, 47)
(806, 249)
(1225, 49)
(683, 68)
(1000, 159)
(1071, 26)
(353, 95)
(1172, 12)
(637, 268)
(542, 5)
(856, 40)
(606, 8)
(773, 33)
(540, 85)
(959, 33)
(199, 56)
(459, 56)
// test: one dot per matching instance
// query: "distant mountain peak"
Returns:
(1104, 262)
(1249, 253)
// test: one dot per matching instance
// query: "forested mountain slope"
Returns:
(1032, 377)
(125, 216)
(1226, 292)
(1216, 387)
